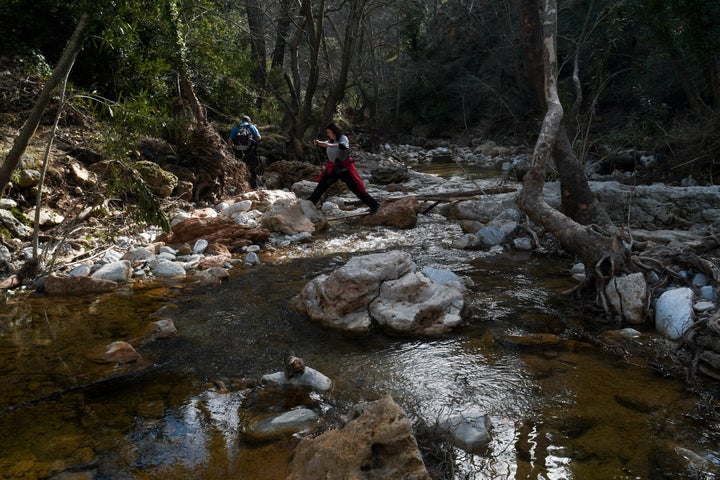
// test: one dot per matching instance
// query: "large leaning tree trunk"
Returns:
(607, 254)
(59, 73)
(578, 201)
(603, 252)
(211, 159)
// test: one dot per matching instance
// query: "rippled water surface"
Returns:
(561, 411)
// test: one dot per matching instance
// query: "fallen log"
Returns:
(438, 198)
(456, 196)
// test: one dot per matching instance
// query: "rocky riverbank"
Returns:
(206, 241)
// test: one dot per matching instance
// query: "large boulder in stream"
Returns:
(377, 444)
(386, 290)
(402, 213)
(293, 216)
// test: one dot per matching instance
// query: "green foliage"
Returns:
(219, 59)
(125, 183)
(21, 217)
(449, 65)
(35, 64)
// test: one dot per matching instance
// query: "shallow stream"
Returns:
(569, 411)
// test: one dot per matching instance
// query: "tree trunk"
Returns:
(578, 201)
(311, 30)
(63, 66)
(257, 47)
(282, 31)
(352, 27)
(606, 255)
(572, 118)
(531, 36)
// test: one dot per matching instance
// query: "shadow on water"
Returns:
(559, 412)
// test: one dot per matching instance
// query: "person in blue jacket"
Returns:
(244, 139)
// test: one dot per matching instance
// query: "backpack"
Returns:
(242, 138)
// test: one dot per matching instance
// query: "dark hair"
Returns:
(336, 129)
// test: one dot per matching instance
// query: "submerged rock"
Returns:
(77, 285)
(282, 425)
(468, 431)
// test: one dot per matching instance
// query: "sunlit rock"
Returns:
(384, 289)
(167, 268)
(13, 225)
(377, 444)
(159, 181)
(81, 270)
(49, 217)
(27, 178)
(79, 174)
(263, 199)
(238, 207)
(293, 216)
(340, 300)
(311, 379)
(219, 230)
(110, 256)
(200, 245)
(413, 304)
(401, 214)
(7, 203)
(213, 261)
(120, 271)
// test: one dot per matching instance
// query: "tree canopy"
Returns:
(408, 67)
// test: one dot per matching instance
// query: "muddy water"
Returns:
(565, 411)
